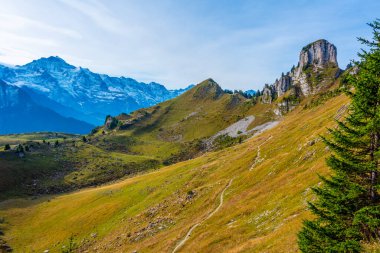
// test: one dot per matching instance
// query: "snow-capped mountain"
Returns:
(20, 114)
(77, 92)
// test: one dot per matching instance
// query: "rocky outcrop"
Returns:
(317, 68)
(318, 54)
(282, 85)
(267, 94)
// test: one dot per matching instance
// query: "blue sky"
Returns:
(241, 44)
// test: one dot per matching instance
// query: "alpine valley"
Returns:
(201, 169)
(94, 163)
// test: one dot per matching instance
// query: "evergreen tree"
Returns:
(7, 147)
(20, 148)
(347, 209)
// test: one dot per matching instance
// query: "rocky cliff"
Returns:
(318, 54)
(316, 69)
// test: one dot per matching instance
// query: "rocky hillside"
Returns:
(238, 179)
(247, 198)
(201, 119)
(77, 92)
(317, 68)
(188, 125)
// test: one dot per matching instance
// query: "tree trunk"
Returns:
(374, 148)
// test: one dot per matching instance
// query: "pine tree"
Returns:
(347, 209)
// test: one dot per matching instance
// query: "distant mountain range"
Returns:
(19, 113)
(73, 93)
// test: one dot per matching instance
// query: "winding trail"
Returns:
(258, 157)
(187, 236)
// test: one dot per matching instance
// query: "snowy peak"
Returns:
(92, 94)
(52, 63)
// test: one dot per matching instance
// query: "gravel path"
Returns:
(262, 128)
(187, 236)
(240, 126)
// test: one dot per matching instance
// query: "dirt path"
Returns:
(259, 159)
(187, 236)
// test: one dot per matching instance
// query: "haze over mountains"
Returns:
(76, 92)
(20, 113)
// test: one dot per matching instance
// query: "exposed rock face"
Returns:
(267, 95)
(283, 84)
(315, 59)
(316, 68)
(319, 54)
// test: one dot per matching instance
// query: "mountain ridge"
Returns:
(19, 113)
(91, 94)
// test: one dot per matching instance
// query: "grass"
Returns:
(70, 165)
(167, 131)
(14, 139)
(170, 132)
(262, 212)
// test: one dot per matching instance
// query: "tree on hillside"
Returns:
(20, 149)
(7, 147)
(347, 209)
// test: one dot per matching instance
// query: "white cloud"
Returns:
(14, 23)
(98, 12)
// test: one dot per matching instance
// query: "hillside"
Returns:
(202, 119)
(180, 128)
(237, 177)
(270, 175)
(156, 136)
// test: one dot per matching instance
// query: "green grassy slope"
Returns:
(164, 134)
(178, 125)
(263, 208)
(51, 168)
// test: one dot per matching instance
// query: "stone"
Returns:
(267, 95)
(319, 53)
(282, 85)
(313, 60)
